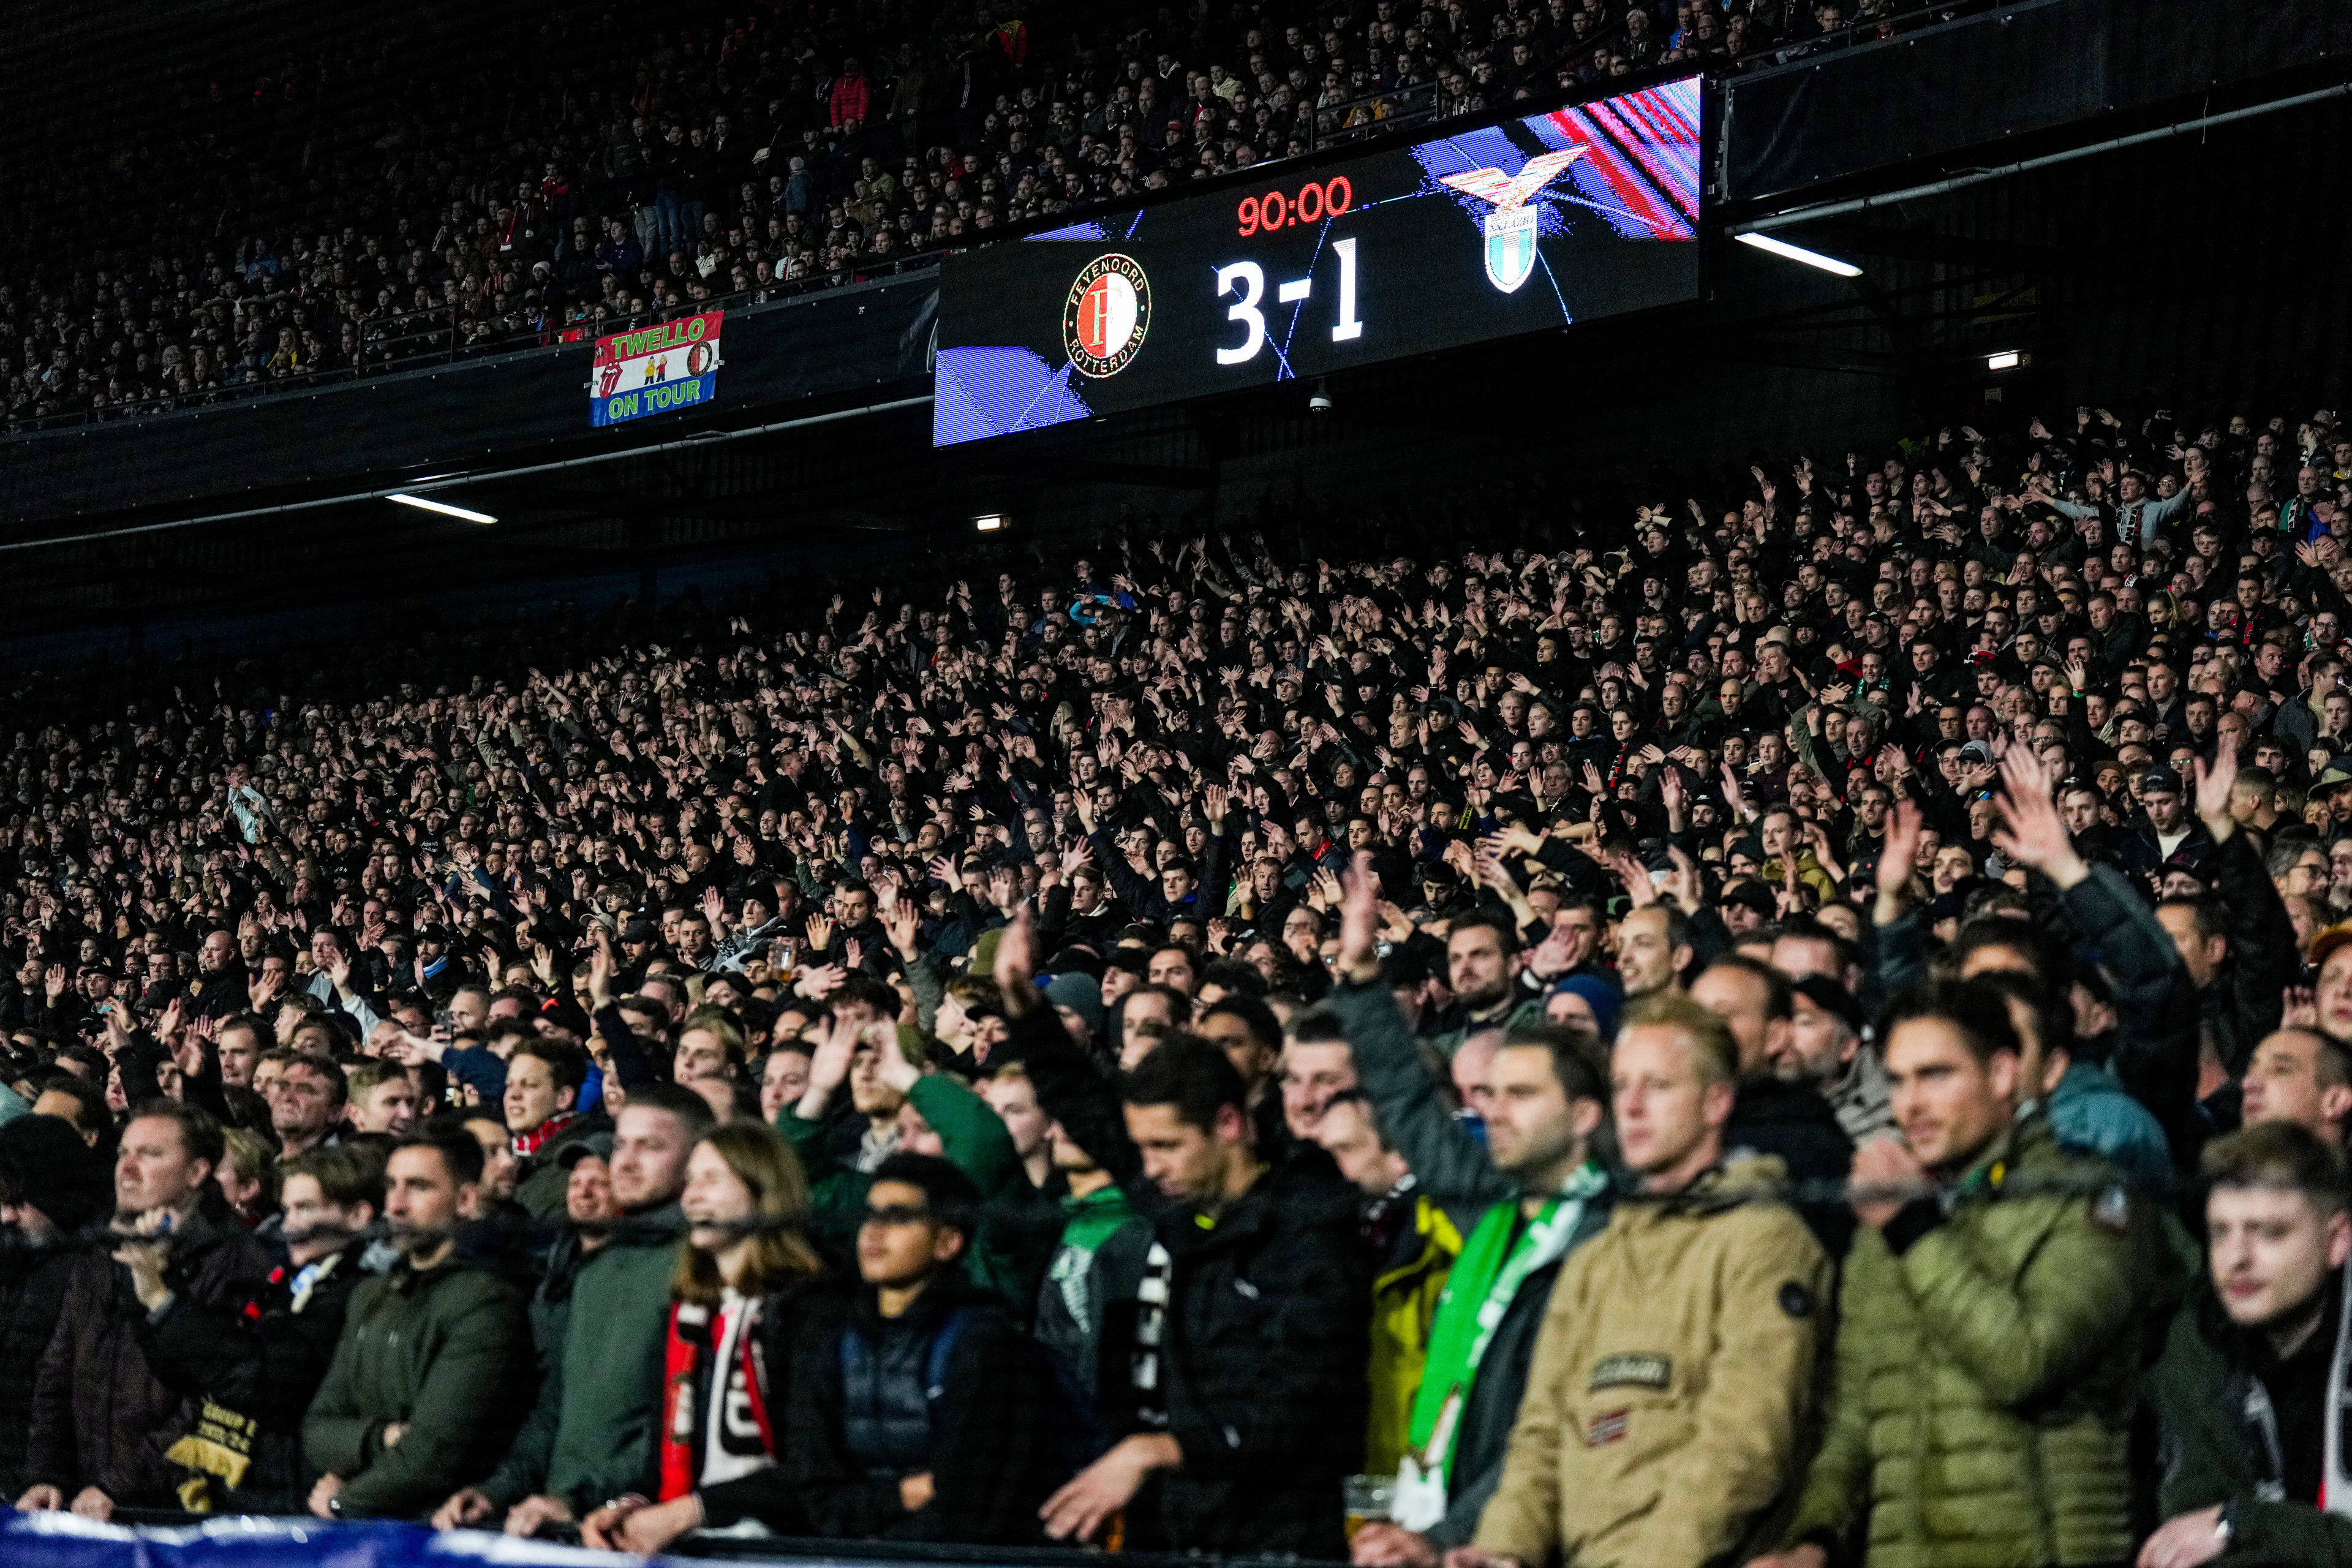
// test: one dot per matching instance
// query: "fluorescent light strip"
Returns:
(2007, 358)
(1784, 249)
(443, 508)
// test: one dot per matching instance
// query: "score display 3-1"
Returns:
(1590, 210)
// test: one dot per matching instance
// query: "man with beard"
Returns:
(1822, 1048)
(610, 1372)
(427, 1380)
(1484, 965)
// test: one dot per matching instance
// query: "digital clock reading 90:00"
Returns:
(1310, 204)
(1491, 232)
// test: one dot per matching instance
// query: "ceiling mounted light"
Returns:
(443, 508)
(1782, 248)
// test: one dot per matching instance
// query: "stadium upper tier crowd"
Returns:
(1808, 1026)
(319, 219)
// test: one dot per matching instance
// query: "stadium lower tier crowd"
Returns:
(1808, 1029)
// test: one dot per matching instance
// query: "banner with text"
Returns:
(660, 369)
(66, 1540)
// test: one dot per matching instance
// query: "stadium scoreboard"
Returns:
(1589, 210)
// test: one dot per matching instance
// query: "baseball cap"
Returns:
(1831, 997)
(2328, 941)
(597, 1144)
(2159, 780)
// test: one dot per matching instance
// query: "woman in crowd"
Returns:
(743, 1300)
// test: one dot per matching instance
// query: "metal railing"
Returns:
(1860, 30)
(442, 335)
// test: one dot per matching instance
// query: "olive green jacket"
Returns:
(1988, 1366)
(446, 1354)
(609, 1374)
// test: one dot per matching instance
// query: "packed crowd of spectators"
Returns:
(323, 218)
(1372, 1047)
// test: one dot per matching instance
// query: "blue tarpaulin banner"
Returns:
(64, 1541)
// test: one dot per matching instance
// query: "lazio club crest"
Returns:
(1511, 225)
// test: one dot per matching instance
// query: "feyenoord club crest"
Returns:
(1106, 316)
(1511, 225)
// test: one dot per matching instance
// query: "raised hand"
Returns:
(1639, 889)
(1360, 919)
(828, 1067)
(1549, 958)
(2032, 832)
(2213, 786)
(1897, 857)
(820, 982)
(1682, 883)
(1016, 965)
(901, 922)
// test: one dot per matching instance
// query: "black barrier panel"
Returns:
(1980, 79)
(508, 409)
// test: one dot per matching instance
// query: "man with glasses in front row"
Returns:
(929, 1415)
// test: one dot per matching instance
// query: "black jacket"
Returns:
(1266, 1334)
(101, 1416)
(2225, 1438)
(263, 1359)
(1795, 1125)
(1142, 894)
(791, 1319)
(32, 1292)
(985, 1438)
(2244, 1002)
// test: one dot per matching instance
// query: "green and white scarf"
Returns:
(1478, 1293)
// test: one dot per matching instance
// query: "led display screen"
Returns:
(1590, 210)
